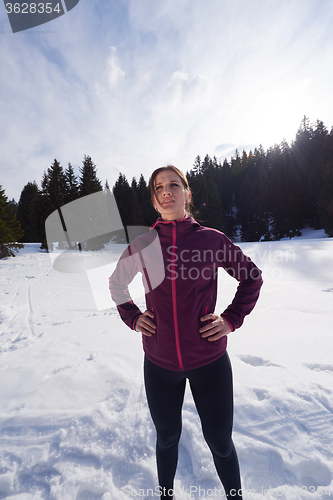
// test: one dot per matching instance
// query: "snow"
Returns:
(73, 414)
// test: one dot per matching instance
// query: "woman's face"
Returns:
(170, 195)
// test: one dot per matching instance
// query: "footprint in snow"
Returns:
(256, 361)
(267, 469)
(311, 473)
(90, 493)
(318, 367)
(125, 474)
(261, 394)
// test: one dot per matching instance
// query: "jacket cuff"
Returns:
(228, 321)
(134, 322)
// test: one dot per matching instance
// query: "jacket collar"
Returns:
(182, 224)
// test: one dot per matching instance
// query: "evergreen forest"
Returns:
(256, 196)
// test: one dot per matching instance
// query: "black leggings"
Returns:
(211, 387)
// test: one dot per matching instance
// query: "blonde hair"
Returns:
(184, 182)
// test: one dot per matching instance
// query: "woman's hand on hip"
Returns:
(145, 325)
(216, 328)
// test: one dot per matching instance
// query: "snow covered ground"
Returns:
(73, 416)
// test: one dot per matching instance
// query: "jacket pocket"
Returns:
(206, 311)
(152, 309)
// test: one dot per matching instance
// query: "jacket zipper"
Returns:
(206, 312)
(174, 297)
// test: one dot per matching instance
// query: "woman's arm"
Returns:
(241, 267)
(126, 270)
(143, 255)
(129, 312)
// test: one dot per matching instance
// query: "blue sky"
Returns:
(137, 84)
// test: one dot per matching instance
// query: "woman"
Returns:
(182, 336)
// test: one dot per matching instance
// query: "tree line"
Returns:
(259, 195)
(269, 195)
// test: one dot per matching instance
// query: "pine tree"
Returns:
(325, 195)
(26, 212)
(54, 188)
(13, 205)
(206, 165)
(237, 166)
(197, 165)
(72, 191)
(327, 200)
(211, 210)
(10, 228)
(89, 182)
(52, 197)
(225, 187)
(122, 194)
(143, 192)
(136, 214)
(303, 153)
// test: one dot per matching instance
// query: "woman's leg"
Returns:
(165, 394)
(212, 390)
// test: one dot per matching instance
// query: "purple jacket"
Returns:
(178, 261)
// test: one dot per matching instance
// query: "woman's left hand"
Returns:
(217, 328)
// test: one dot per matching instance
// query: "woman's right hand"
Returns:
(145, 325)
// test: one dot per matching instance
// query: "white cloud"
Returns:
(184, 94)
(153, 82)
(115, 73)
